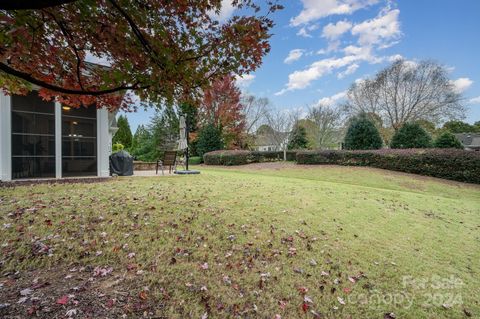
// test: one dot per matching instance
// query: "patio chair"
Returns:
(169, 159)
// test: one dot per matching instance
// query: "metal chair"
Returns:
(169, 159)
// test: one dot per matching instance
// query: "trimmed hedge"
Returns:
(230, 158)
(454, 164)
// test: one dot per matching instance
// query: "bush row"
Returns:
(451, 164)
(229, 157)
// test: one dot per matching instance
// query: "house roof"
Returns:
(469, 139)
(269, 139)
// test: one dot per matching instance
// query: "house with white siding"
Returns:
(40, 139)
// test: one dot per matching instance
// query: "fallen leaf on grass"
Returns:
(62, 300)
(26, 292)
(340, 300)
(143, 295)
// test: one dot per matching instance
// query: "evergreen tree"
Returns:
(124, 134)
(362, 134)
(298, 138)
(411, 135)
(459, 127)
(209, 139)
(143, 147)
(448, 140)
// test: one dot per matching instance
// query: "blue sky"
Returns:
(320, 47)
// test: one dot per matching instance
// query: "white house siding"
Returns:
(5, 138)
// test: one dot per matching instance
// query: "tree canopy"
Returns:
(407, 91)
(161, 50)
(298, 138)
(460, 127)
(362, 134)
(124, 133)
(222, 107)
(411, 135)
(447, 140)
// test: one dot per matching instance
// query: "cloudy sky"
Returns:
(320, 47)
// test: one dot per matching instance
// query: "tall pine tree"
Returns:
(124, 134)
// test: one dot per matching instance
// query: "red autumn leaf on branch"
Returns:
(162, 50)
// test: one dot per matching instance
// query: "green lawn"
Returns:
(247, 242)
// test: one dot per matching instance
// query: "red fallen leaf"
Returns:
(143, 295)
(32, 310)
(131, 267)
(305, 307)
(347, 290)
(110, 303)
(282, 304)
(48, 222)
(63, 300)
(302, 290)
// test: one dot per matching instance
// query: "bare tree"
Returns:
(280, 124)
(325, 129)
(254, 110)
(407, 91)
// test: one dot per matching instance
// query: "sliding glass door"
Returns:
(79, 141)
(33, 137)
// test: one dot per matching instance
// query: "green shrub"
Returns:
(209, 139)
(362, 135)
(227, 158)
(448, 140)
(117, 147)
(195, 160)
(411, 135)
(454, 164)
(234, 157)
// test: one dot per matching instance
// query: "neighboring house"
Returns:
(271, 142)
(470, 141)
(40, 139)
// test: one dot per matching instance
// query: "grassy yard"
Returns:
(261, 241)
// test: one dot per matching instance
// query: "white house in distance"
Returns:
(40, 139)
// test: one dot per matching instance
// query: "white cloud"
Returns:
(461, 84)
(384, 27)
(474, 101)
(395, 57)
(316, 9)
(294, 55)
(302, 79)
(244, 81)
(332, 46)
(350, 70)
(305, 31)
(333, 31)
(332, 100)
(225, 12)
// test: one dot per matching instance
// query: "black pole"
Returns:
(186, 136)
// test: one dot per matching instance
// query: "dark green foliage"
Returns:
(143, 145)
(460, 127)
(411, 135)
(459, 165)
(447, 140)
(162, 133)
(298, 138)
(229, 158)
(124, 134)
(362, 135)
(209, 139)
